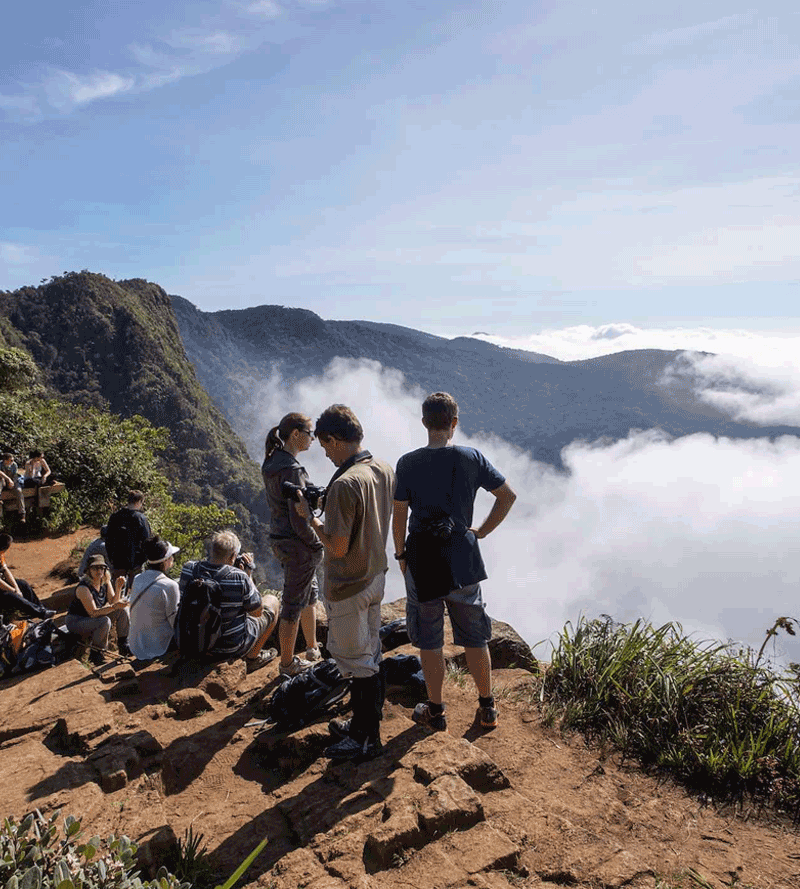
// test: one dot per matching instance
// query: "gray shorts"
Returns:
(472, 626)
(299, 576)
(256, 628)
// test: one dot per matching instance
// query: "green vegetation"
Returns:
(96, 454)
(713, 718)
(115, 374)
(34, 855)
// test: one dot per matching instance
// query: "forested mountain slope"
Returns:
(116, 344)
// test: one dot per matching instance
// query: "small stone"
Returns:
(224, 680)
(483, 848)
(189, 702)
(450, 804)
(441, 754)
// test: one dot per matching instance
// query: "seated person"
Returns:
(8, 477)
(95, 606)
(96, 548)
(17, 598)
(247, 619)
(37, 472)
(154, 602)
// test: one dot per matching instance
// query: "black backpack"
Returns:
(300, 699)
(199, 619)
(123, 541)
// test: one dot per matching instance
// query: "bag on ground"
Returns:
(302, 698)
(33, 651)
(199, 618)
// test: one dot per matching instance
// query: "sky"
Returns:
(455, 166)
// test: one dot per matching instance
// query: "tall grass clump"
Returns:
(715, 719)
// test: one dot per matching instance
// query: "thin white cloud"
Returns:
(174, 53)
(264, 8)
(18, 254)
(665, 40)
(216, 42)
(65, 90)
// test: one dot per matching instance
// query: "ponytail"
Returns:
(278, 435)
(272, 443)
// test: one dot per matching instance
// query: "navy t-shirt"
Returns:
(439, 482)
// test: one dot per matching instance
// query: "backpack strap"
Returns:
(144, 591)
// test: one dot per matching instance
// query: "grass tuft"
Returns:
(716, 719)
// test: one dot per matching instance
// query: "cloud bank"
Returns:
(696, 530)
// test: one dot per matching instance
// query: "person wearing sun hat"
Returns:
(154, 601)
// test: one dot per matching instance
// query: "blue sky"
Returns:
(452, 166)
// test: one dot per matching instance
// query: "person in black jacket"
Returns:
(294, 542)
(126, 535)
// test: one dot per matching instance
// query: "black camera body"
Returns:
(440, 529)
(243, 561)
(313, 494)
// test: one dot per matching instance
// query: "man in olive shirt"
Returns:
(358, 510)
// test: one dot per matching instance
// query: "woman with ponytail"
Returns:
(294, 542)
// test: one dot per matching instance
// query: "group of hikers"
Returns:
(426, 504)
(35, 473)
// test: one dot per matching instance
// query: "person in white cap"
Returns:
(154, 601)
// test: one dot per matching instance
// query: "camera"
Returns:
(243, 561)
(314, 495)
(440, 529)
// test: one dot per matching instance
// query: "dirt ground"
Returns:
(148, 753)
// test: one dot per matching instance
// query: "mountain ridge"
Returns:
(539, 402)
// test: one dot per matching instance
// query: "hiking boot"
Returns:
(295, 667)
(356, 751)
(422, 715)
(487, 717)
(313, 655)
(97, 658)
(123, 648)
(261, 659)
(339, 728)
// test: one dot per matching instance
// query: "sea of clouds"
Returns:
(696, 530)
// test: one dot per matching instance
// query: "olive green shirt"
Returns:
(359, 507)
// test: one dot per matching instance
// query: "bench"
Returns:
(34, 497)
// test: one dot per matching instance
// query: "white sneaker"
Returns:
(313, 655)
(295, 666)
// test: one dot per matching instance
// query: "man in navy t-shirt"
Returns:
(441, 560)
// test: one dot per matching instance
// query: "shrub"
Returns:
(33, 855)
(98, 455)
(709, 716)
(18, 372)
(188, 526)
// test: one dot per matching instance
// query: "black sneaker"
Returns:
(339, 728)
(355, 751)
(487, 716)
(422, 715)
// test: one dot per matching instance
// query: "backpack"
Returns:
(300, 699)
(123, 538)
(36, 649)
(198, 622)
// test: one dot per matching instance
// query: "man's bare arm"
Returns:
(399, 524)
(504, 500)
